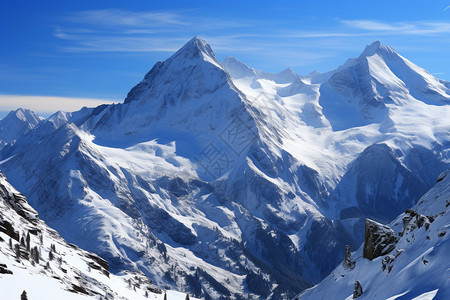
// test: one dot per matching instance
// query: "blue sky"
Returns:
(66, 54)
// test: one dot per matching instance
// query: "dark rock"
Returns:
(79, 289)
(379, 240)
(387, 260)
(24, 296)
(348, 263)
(357, 291)
(441, 177)
(4, 269)
(8, 229)
(413, 220)
(103, 263)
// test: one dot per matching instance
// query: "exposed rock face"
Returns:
(379, 240)
(348, 263)
(413, 220)
(17, 201)
(357, 291)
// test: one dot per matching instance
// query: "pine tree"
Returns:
(28, 241)
(187, 297)
(50, 255)
(10, 244)
(165, 296)
(146, 294)
(17, 251)
(24, 295)
(36, 254)
(41, 239)
(22, 242)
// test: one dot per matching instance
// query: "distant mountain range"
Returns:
(227, 182)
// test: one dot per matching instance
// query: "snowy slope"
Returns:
(222, 180)
(419, 267)
(61, 270)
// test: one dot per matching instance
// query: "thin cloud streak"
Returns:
(144, 32)
(121, 31)
(116, 17)
(404, 28)
(48, 104)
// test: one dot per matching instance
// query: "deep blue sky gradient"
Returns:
(100, 49)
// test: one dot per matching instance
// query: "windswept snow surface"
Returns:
(226, 181)
(421, 268)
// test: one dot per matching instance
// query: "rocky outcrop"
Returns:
(357, 291)
(379, 240)
(17, 201)
(413, 220)
(348, 263)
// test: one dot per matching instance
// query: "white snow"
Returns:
(123, 179)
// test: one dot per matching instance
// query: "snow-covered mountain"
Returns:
(36, 260)
(417, 265)
(225, 181)
(16, 124)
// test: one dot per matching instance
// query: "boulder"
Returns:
(357, 291)
(379, 240)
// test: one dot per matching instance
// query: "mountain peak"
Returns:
(196, 46)
(236, 68)
(17, 123)
(376, 47)
(24, 115)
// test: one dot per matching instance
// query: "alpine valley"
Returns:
(225, 182)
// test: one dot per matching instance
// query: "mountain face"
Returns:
(416, 263)
(16, 124)
(36, 259)
(369, 83)
(228, 182)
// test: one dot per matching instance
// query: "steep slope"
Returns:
(16, 124)
(35, 259)
(226, 187)
(417, 265)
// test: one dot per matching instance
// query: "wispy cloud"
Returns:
(405, 28)
(123, 31)
(446, 8)
(113, 30)
(48, 104)
(115, 17)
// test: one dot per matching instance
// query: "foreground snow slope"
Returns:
(62, 270)
(419, 263)
(225, 181)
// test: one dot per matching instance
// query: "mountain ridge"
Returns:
(216, 174)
